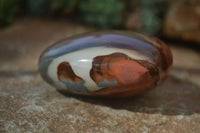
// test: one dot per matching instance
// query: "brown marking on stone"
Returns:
(101, 66)
(132, 76)
(64, 71)
(153, 70)
(130, 84)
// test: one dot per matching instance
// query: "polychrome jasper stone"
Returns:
(106, 64)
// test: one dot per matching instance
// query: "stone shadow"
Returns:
(172, 97)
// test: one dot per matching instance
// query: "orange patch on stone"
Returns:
(65, 71)
(127, 71)
(133, 77)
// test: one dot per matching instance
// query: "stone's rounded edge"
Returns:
(67, 41)
(162, 49)
(96, 36)
(43, 68)
(166, 57)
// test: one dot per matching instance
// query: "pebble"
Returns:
(106, 64)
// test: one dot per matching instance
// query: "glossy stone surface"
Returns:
(106, 64)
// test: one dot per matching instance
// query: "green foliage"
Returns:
(37, 7)
(151, 15)
(103, 14)
(152, 3)
(44, 7)
(8, 11)
(63, 6)
(151, 22)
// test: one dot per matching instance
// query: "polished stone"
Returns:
(106, 64)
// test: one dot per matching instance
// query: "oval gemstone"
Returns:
(106, 64)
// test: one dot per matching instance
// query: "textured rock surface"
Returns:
(183, 20)
(28, 104)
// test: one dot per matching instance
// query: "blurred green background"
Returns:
(179, 20)
(103, 14)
